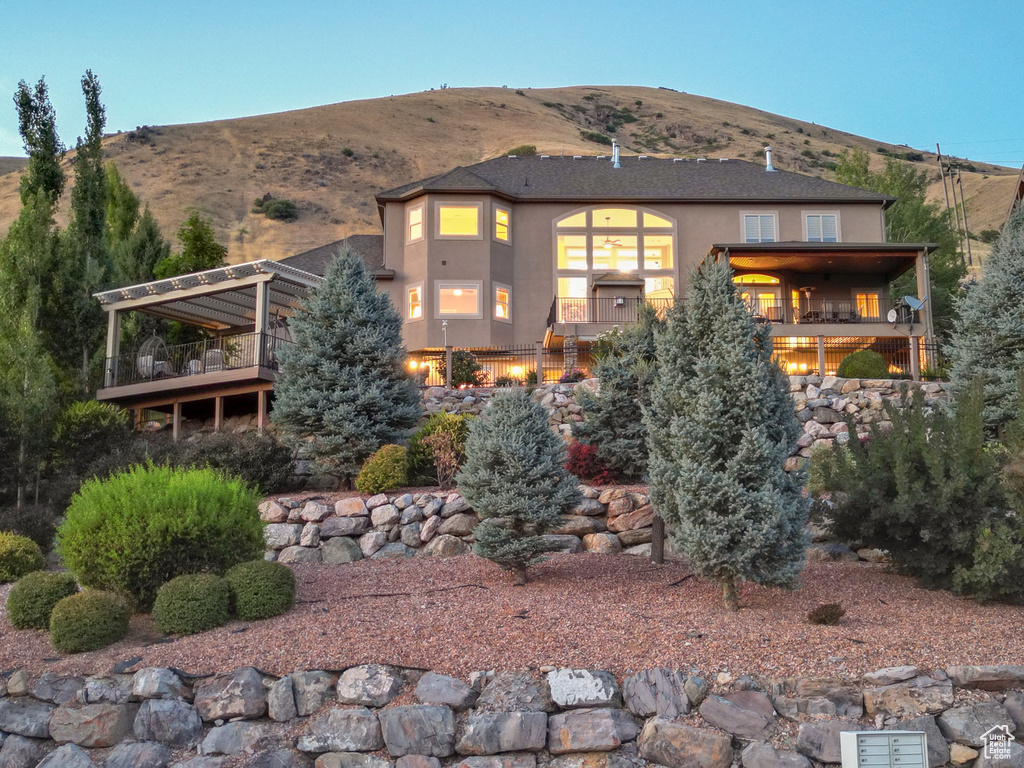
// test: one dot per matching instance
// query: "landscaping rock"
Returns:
(17, 683)
(696, 689)
(310, 535)
(890, 675)
(455, 505)
(281, 700)
(159, 683)
(417, 761)
(967, 725)
(231, 738)
(411, 535)
(429, 528)
(351, 507)
(820, 740)
(830, 696)
(204, 762)
(343, 730)
(959, 754)
(938, 749)
(272, 512)
(403, 501)
(496, 761)
(235, 694)
(315, 511)
(433, 688)
(411, 514)
(372, 542)
(995, 677)
(25, 717)
(344, 526)
(681, 746)
(458, 525)
(638, 536)
(386, 515)
(491, 733)
(567, 544)
(139, 754)
(299, 555)
(169, 721)
(279, 758)
(922, 695)
(340, 550)
(393, 550)
(743, 714)
(580, 525)
(631, 521)
(418, 729)
(1014, 760)
(58, 689)
(351, 760)
(589, 508)
(761, 755)
(68, 756)
(656, 692)
(370, 685)
(312, 690)
(516, 692)
(19, 752)
(116, 689)
(377, 500)
(446, 546)
(591, 760)
(584, 688)
(609, 495)
(94, 725)
(602, 543)
(1014, 704)
(590, 730)
(281, 535)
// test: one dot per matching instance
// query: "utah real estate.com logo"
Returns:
(997, 742)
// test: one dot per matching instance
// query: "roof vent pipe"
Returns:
(615, 154)
(768, 159)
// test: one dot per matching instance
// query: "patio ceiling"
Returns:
(889, 259)
(218, 299)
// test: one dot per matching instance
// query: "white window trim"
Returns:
(423, 223)
(439, 204)
(743, 224)
(423, 303)
(477, 285)
(839, 223)
(494, 301)
(494, 224)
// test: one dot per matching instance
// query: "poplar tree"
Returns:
(719, 435)
(37, 124)
(342, 391)
(988, 335)
(514, 478)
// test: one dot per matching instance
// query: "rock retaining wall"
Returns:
(556, 718)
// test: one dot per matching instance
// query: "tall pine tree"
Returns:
(37, 124)
(719, 435)
(515, 479)
(988, 336)
(343, 391)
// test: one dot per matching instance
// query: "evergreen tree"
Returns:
(37, 123)
(122, 207)
(199, 250)
(515, 479)
(343, 391)
(613, 416)
(988, 337)
(719, 435)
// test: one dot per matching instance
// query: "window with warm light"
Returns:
(572, 252)
(414, 224)
(657, 251)
(458, 300)
(659, 287)
(822, 227)
(414, 302)
(755, 279)
(502, 304)
(867, 304)
(572, 302)
(502, 222)
(604, 218)
(615, 253)
(759, 227)
(458, 220)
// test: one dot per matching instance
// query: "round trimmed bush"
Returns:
(18, 555)
(88, 621)
(261, 589)
(32, 599)
(386, 469)
(192, 603)
(864, 364)
(138, 529)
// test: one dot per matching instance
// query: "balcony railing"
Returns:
(602, 310)
(246, 350)
(858, 311)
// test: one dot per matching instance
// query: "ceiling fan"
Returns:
(608, 242)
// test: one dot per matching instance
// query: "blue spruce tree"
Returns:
(342, 391)
(720, 428)
(515, 479)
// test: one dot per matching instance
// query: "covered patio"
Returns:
(244, 310)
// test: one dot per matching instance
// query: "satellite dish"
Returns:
(892, 316)
(914, 303)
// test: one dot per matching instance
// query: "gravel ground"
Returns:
(598, 611)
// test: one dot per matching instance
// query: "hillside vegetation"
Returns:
(331, 160)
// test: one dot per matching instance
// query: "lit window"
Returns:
(572, 300)
(572, 252)
(458, 299)
(415, 302)
(657, 251)
(576, 220)
(501, 303)
(656, 222)
(659, 287)
(754, 279)
(615, 253)
(867, 305)
(414, 224)
(759, 227)
(614, 217)
(822, 227)
(501, 224)
(458, 221)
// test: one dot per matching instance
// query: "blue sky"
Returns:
(902, 72)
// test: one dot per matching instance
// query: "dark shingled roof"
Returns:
(369, 247)
(593, 179)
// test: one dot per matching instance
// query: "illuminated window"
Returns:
(656, 222)
(502, 305)
(501, 224)
(458, 221)
(615, 253)
(414, 224)
(576, 220)
(794, 300)
(657, 250)
(659, 287)
(614, 217)
(414, 302)
(572, 300)
(572, 252)
(867, 304)
(458, 300)
(822, 227)
(759, 227)
(754, 279)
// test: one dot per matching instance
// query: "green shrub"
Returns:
(261, 589)
(139, 529)
(523, 150)
(864, 364)
(86, 431)
(997, 570)
(259, 460)
(36, 522)
(281, 210)
(18, 555)
(88, 621)
(598, 138)
(422, 469)
(192, 603)
(387, 468)
(466, 369)
(32, 599)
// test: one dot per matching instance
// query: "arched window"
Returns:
(605, 240)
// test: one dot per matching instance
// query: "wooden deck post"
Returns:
(261, 410)
(821, 356)
(176, 421)
(113, 348)
(915, 358)
(658, 541)
(218, 412)
(262, 319)
(448, 367)
(540, 363)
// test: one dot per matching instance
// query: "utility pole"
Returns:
(963, 204)
(945, 191)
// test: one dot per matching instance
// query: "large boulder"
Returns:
(298, 554)
(602, 543)
(281, 535)
(68, 756)
(234, 694)
(351, 507)
(58, 689)
(458, 525)
(312, 690)
(25, 717)
(580, 525)
(19, 752)
(656, 692)
(759, 754)
(352, 760)
(369, 685)
(395, 549)
(992, 677)
(110, 689)
(344, 526)
(278, 758)
(590, 730)
(169, 721)
(938, 749)
(820, 740)
(968, 724)
(281, 700)
(591, 760)
(675, 745)
(340, 550)
(315, 512)
(490, 733)
(516, 692)
(139, 754)
(159, 683)
(343, 730)
(94, 725)
(922, 695)
(232, 738)
(631, 521)
(745, 714)
(1010, 757)
(433, 688)
(446, 545)
(584, 688)
(418, 729)
(890, 675)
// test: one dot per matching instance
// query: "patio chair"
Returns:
(151, 361)
(213, 360)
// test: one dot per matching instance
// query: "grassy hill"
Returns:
(331, 160)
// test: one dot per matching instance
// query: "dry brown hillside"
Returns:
(331, 160)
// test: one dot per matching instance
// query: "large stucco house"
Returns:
(528, 259)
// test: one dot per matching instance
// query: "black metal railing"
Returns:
(208, 356)
(870, 310)
(799, 356)
(616, 309)
(506, 366)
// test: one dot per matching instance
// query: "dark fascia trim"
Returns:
(824, 247)
(885, 200)
(383, 274)
(420, 192)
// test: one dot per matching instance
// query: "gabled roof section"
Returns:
(369, 247)
(594, 179)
